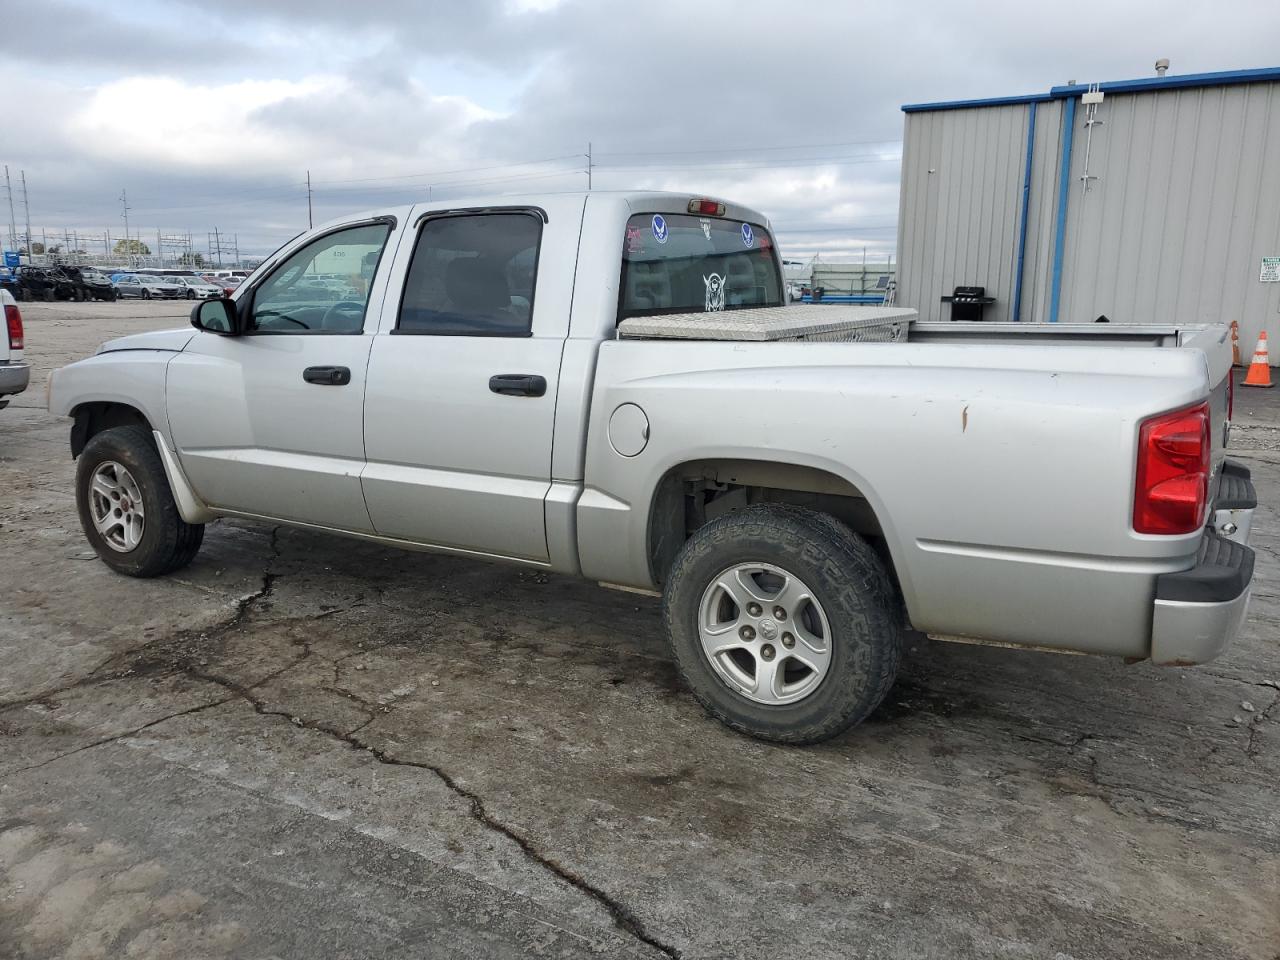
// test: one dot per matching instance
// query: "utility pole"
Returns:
(13, 225)
(124, 205)
(309, 223)
(217, 244)
(26, 207)
(589, 165)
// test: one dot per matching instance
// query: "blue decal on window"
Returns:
(748, 238)
(659, 228)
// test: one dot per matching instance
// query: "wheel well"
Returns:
(93, 418)
(697, 492)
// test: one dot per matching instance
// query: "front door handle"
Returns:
(328, 376)
(518, 384)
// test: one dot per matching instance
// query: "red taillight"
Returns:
(710, 208)
(1172, 489)
(13, 320)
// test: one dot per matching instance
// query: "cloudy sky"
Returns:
(211, 113)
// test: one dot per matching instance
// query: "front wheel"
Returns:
(784, 623)
(146, 294)
(191, 294)
(127, 508)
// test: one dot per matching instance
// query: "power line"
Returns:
(790, 146)
(752, 165)
(848, 228)
(445, 173)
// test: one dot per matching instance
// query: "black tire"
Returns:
(845, 576)
(113, 296)
(47, 295)
(191, 294)
(168, 542)
(146, 294)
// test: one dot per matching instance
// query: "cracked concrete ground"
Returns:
(304, 747)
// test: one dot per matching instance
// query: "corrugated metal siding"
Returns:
(1186, 205)
(959, 223)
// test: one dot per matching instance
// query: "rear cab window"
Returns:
(684, 263)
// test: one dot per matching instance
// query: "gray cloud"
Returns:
(791, 109)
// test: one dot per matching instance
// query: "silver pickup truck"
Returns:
(612, 385)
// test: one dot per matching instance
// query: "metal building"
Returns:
(1151, 200)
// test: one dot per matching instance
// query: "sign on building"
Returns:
(12, 259)
(1270, 270)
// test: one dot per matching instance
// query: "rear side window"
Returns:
(472, 275)
(679, 263)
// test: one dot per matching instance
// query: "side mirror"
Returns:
(217, 316)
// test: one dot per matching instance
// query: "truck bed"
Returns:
(848, 322)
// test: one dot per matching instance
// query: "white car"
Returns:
(195, 287)
(14, 374)
(147, 287)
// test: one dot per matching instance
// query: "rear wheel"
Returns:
(127, 508)
(784, 623)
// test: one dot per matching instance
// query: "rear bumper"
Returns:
(14, 377)
(1199, 611)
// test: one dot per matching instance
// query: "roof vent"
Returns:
(1162, 66)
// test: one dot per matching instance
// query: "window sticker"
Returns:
(659, 228)
(706, 227)
(635, 240)
(748, 236)
(715, 292)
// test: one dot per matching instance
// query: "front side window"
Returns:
(293, 300)
(680, 263)
(473, 275)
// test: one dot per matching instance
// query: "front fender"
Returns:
(133, 378)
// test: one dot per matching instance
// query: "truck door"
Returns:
(461, 393)
(271, 423)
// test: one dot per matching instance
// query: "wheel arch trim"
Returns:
(190, 507)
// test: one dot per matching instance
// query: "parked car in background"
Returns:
(9, 281)
(195, 287)
(148, 288)
(14, 372)
(230, 285)
(90, 283)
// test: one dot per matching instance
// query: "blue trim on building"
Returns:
(1174, 82)
(1026, 203)
(1064, 192)
(1222, 78)
(988, 102)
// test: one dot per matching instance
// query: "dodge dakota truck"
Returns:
(613, 385)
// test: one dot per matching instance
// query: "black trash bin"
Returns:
(968, 303)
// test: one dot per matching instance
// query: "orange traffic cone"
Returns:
(1235, 343)
(1260, 368)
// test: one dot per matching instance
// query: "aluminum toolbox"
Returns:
(797, 322)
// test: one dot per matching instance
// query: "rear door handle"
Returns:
(328, 376)
(518, 384)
